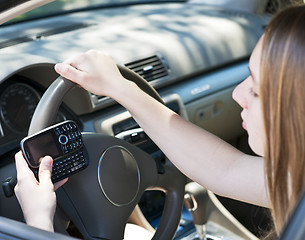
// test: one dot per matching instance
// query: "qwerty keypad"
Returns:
(71, 133)
(74, 158)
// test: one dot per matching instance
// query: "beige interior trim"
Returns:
(236, 227)
(20, 9)
(139, 219)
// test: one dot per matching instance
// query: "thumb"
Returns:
(45, 169)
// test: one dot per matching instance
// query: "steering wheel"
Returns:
(100, 199)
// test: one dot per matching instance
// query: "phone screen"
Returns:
(40, 146)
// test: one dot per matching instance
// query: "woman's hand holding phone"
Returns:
(36, 198)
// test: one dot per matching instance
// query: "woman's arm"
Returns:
(200, 155)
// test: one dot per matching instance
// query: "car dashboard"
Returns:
(192, 54)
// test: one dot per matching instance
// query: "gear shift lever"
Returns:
(196, 201)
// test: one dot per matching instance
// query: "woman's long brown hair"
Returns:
(283, 97)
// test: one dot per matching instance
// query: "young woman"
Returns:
(273, 103)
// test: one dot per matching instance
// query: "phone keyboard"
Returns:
(69, 136)
(65, 167)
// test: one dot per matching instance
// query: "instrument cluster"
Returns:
(18, 100)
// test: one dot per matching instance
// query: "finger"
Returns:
(45, 170)
(60, 183)
(22, 166)
(69, 72)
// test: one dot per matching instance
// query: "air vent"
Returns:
(150, 68)
(96, 99)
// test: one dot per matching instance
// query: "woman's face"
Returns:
(247, 95)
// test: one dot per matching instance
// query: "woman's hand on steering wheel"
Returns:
(94, 70)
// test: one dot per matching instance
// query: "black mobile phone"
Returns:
(63, 142)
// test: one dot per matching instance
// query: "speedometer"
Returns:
(18, 103)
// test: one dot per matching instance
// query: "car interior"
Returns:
(189, 55)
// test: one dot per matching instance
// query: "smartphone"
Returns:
(64, 143)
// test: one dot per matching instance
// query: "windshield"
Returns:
(61, 6)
